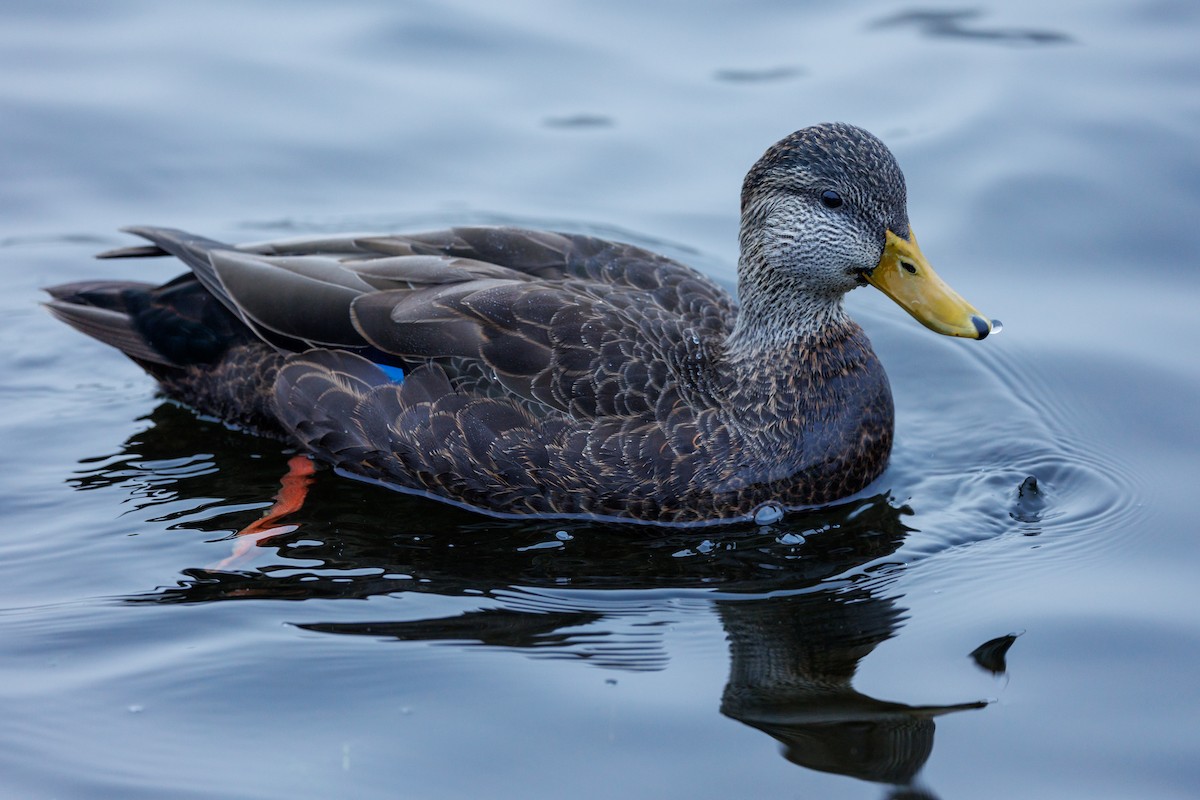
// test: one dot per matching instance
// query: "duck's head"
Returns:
(823, 211)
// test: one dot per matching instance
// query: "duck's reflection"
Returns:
(795, 638)
(792, 662)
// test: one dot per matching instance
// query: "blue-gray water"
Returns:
(390, 647)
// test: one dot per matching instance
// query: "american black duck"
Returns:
(523, 372)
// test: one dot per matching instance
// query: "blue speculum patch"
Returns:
(395, 374)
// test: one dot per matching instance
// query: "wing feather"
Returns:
(302, 298)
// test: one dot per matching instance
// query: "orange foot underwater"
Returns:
(293, 490)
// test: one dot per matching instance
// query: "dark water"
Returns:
(390, 647)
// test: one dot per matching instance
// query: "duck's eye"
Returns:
(831, 199)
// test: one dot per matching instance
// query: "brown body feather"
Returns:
(589, 378)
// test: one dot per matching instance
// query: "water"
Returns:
(389, 647)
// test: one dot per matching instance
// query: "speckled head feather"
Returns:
(800, 254)
(837, 156)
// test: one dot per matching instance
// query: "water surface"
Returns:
(392, 647)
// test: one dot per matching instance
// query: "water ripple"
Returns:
(955, 24)
(1028, 458)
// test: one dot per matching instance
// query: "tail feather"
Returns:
(112, 327)
(174, 325)
(101, 310)
(104, 294)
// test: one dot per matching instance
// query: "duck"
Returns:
(530, 373)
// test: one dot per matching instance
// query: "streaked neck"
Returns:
(778, 313)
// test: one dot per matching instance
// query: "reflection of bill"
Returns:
(792, 661)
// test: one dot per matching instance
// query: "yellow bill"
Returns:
(904, 275)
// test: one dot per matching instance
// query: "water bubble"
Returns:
(563, 536)
(997, 326)
(768, 513)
